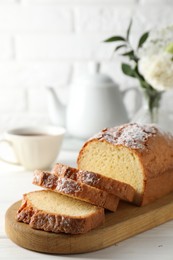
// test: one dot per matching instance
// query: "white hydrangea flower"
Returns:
(157, 42)
(155, 63)
(157, 70)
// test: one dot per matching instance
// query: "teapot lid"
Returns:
(95, 78)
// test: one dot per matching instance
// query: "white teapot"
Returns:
(95, 102)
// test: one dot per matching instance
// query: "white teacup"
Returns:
(35, 147)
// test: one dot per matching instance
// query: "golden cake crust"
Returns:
(154, 150)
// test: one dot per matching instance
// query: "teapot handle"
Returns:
(137, 100)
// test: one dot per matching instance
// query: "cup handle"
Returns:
(5, 160)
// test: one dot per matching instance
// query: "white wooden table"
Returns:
(14, 181)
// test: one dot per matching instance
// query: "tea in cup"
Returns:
(34, 147)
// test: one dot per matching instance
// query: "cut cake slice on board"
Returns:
(53, 212)
(76, 190)
(120, 189)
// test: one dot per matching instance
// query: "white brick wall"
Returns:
(49, 42)
(67, 47)
(20, 18)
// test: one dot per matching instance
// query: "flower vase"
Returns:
(149, 113)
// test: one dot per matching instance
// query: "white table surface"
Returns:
(14, 181)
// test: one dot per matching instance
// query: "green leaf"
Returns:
(120, 46)
(141, 79)
(143, 39)
(115, 39)
(129, 53)
(129, 29)
(127, 70)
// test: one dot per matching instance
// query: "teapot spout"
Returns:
(56, 109)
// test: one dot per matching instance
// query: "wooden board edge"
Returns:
(102, 237)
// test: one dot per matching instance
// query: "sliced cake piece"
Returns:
(76, 190)
(53, 212)
(140, 155)
(120, 189)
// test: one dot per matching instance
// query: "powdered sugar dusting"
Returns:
(37, 175)
(65, 222)
(67, 186)
(130, 135)
(88, 177)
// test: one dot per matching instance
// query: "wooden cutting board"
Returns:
(127, 221)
